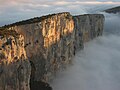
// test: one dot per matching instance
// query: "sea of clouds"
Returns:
(97, 67)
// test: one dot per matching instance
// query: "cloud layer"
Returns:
(97, 67)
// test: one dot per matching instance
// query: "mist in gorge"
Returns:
(97, 67)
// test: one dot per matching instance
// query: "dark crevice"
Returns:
(37, 85)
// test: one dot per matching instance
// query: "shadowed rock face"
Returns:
(87, 27)
(39, 85)
(43, 47)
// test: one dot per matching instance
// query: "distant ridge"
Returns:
(113, 10)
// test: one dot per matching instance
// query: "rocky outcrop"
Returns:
(45, 45)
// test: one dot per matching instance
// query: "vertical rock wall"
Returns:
(43, 46)
(87, 27)
(14, 65)
(49, 44)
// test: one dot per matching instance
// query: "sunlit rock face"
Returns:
(14, 65)
(45, 45)
(49, 44)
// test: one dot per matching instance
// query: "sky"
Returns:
(16, 10)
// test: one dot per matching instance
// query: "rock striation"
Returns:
(33, 51)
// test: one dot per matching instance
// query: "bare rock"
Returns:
(33, 51)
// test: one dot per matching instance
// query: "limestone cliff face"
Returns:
(45, 45)
(14, 65)
(49, 44)
(87, 27)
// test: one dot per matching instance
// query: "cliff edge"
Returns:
(33, 51)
